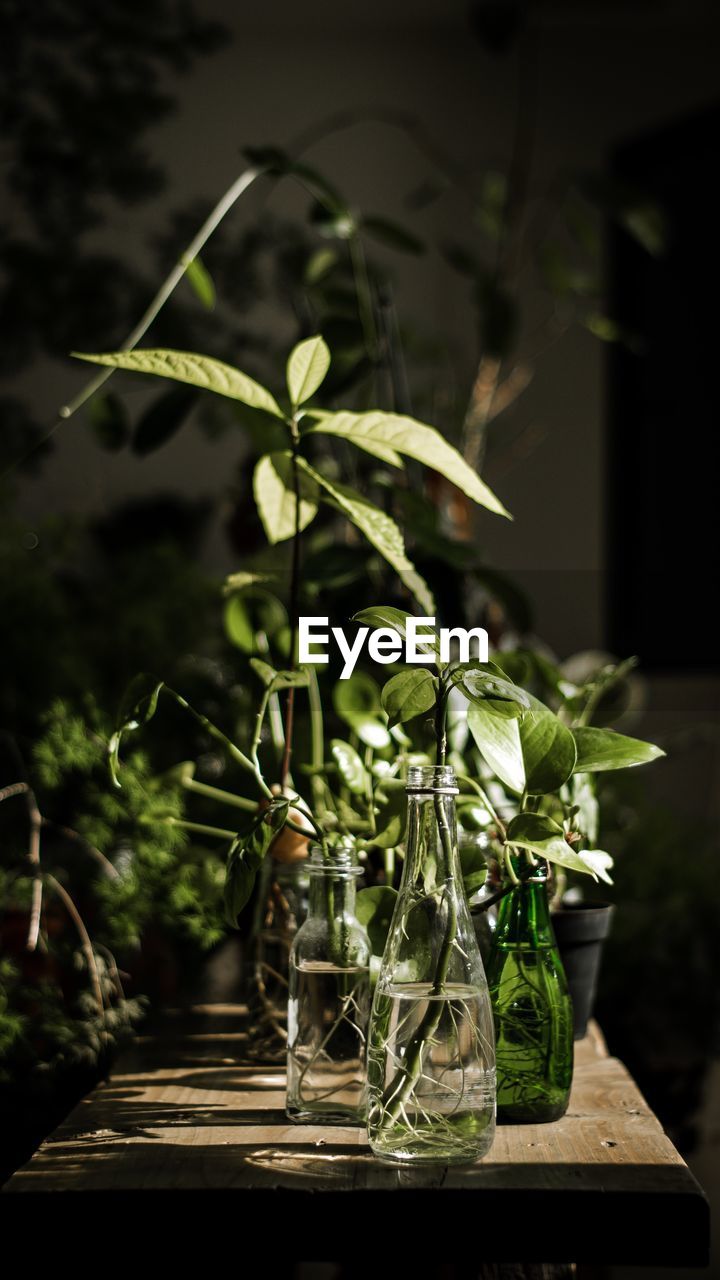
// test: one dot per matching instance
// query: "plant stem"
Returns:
(217, 793)
(198, 242)
(406, 1077)
(441, 722)
(293, 606)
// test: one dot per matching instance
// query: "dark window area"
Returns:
(662, 492)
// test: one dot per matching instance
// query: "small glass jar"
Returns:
(329, 997)
(431, 1060)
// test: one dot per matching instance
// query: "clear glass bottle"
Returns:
(431, 1061)
(329, 997)
(531, 1004)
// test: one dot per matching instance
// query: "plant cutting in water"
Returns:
(288, 489)
(542, 762)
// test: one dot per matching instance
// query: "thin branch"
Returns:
(85, 943)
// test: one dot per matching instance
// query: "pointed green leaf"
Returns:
(391, 814)
(416, 440)
(379, 529)
(201, 282)
(246, 854)
(548, 749)
(541, 835)
(197, 371)
(274, 493)
(306, 369)
(138, 706)
(375, 910)
(481, 680)
(498, 741)
(601, 749)
(599, 863)
(386, 615)
(409, 694)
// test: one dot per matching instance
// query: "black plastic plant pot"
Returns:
(581, 931)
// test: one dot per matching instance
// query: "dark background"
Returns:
(124, 122)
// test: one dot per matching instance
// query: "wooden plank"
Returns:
(604, 1184)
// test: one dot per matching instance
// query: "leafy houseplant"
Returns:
(542, 764)
(289, 485)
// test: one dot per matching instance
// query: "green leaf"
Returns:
(276, 680)
(482, 680)
(350, 767)
(137, 707)
(238, 627)
(246, 854)
(244, 578)
(410, 693)
(198, 371)
(391, 813)
(473, 865)
(548, 749)
(416, 440)
(392, 235)
(498, 740)
(379, 529)
(599, 750)
(375, 909)
(109, 421)
(319, 265)
(161, 421)
(306, 369)
(357, 702)
(201, 282)
(274, 492)
(541, 835)
(598, 862)
(385, 615)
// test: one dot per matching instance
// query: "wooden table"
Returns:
(186, 1143)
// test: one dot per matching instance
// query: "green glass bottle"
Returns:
(531, 1005)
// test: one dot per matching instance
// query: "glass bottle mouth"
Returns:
(431, 779)
(335, 860)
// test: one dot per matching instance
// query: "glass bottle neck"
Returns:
(332, 894)
(524, 914)
(432, 846)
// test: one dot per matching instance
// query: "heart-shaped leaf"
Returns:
(375, 909)
(410, 693)
(497, 737)
(540, 834)
(548, 748)
(357, 702)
